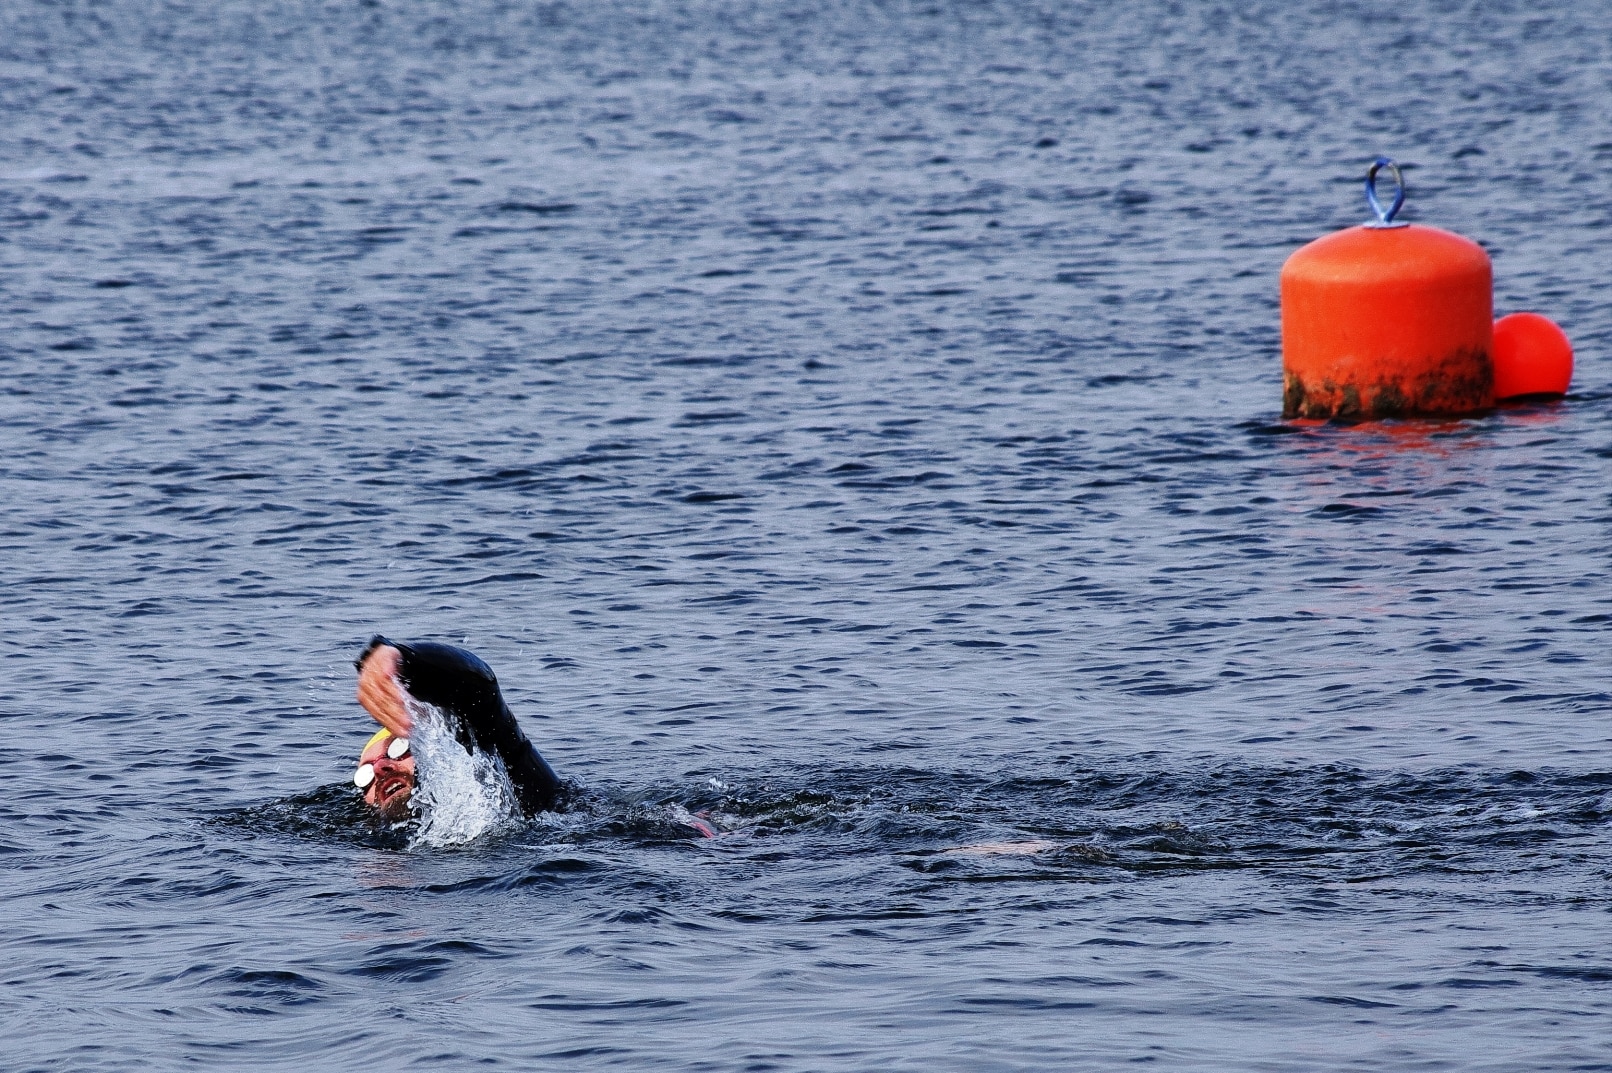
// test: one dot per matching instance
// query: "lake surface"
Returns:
(858, 421)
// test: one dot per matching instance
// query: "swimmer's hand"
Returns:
(380, 693)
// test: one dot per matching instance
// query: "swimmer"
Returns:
(463, 688)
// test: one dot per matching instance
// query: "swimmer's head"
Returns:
(386, 774)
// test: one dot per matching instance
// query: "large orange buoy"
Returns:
(1387, 320)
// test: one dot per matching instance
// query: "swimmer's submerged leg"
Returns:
(1023, 848)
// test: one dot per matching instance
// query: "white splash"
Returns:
(459, 796)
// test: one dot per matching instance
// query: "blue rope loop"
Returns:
(1385, 217)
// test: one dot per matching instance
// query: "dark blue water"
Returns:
(858, 420)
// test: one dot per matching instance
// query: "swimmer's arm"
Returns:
(538, 788)
(536, 784)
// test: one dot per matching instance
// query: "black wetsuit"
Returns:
(466, 691)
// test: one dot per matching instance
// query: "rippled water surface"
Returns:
(858, 422)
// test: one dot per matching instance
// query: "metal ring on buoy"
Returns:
(1385, 218)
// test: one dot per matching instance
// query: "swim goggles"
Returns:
(396, 749)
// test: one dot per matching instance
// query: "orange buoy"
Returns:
(1532, 356)
(1387, 320)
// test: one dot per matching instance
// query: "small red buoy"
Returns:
(1532, 356)
(1387, 320)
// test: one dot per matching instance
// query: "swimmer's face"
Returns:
(386, 774)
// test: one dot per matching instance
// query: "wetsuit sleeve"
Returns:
(536, 785)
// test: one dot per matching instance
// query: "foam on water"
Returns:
(459, 795)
